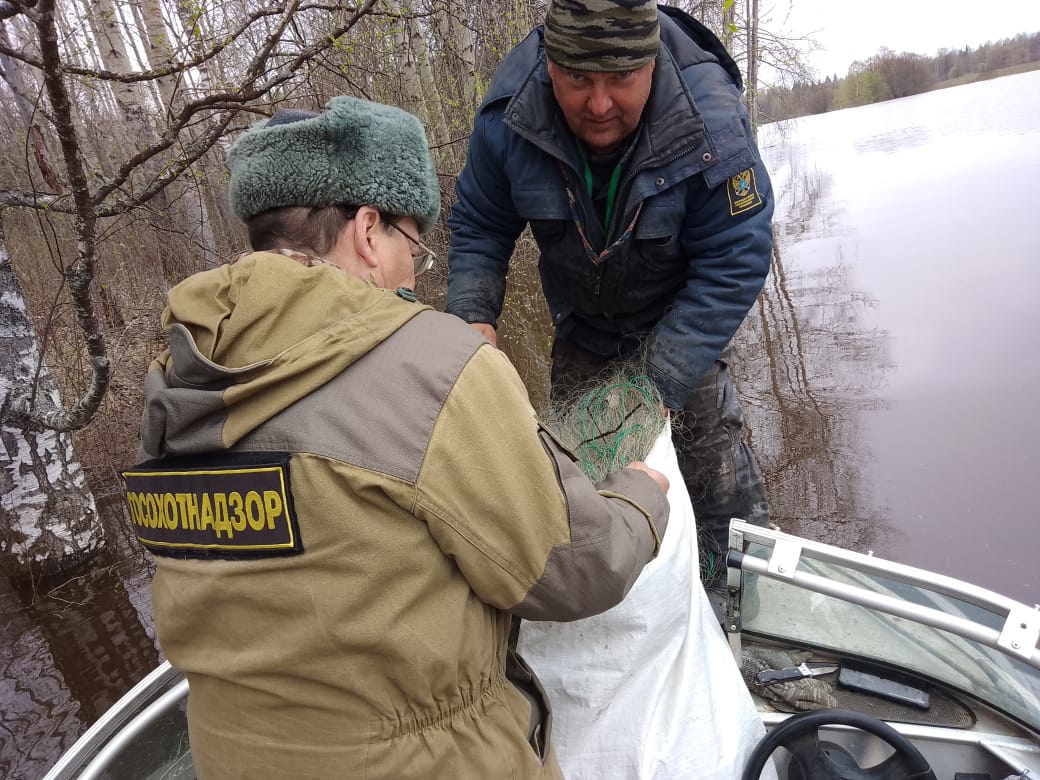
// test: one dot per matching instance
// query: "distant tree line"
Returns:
(888, 75)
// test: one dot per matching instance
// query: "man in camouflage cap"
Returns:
(611, 36)
(617, 133)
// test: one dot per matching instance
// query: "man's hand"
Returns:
(487, 331)
(656, 476)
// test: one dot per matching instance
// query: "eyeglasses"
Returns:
(423, 261)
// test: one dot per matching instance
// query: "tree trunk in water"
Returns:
(48, 520)
(752, 64)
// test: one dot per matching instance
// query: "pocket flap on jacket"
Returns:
(660, 219)
(541, 203)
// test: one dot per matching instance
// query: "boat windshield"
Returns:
(971, 639)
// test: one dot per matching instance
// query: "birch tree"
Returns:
(433, 104)
(408, 65)
(159, 49)
(456, 28)
(729, 23)
(107, 26)
(190, 189)
(753, 54)
(12, 75)
(48, 520)
(755, 39)
(191, 131)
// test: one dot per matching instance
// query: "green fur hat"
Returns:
(355, 153)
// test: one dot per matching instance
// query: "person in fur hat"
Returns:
(348, 495)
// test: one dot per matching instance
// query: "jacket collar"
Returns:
(672, 125)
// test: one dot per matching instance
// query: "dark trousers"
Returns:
(718, 467)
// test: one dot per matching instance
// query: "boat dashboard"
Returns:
(951, 668)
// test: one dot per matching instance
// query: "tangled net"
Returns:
(609, 425)
(612, 422)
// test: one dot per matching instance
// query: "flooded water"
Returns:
(68, 650)
(892, 365)
(888, 373)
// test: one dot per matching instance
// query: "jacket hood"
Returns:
(249, 339)
(673, 125)
(692, 122)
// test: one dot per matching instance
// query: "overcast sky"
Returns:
(855, 31)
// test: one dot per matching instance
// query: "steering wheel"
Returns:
(812, 759)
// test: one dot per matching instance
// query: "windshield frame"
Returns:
(809, 593)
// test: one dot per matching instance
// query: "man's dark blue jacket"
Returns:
(682, 279)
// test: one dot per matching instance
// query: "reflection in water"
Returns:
(893, 140)
(933, 215)
(69, 650)
(807, 366)
(35, 711)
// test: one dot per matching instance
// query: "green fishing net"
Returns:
(610, 425)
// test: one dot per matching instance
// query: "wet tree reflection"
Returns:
(70, 649)
(807, 367)
(35, 708)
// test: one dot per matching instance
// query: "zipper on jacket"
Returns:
(582, 214)
(582, 211)
(571, 177)
(622, 190)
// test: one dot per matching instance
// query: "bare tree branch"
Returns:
(179, 68)
(24, 414)
(53, 201)
(232, 101)
(192, 129)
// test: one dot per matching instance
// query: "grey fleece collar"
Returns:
(673, 125)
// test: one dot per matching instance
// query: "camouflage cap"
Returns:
(602, 35)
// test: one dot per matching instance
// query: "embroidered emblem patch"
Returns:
(231, 507)
(743, 192)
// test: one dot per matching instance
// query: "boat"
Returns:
(925, 676)
(944, 676)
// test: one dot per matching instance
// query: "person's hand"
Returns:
(487, 331)
(655, 475)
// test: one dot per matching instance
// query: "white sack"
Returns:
(649, 689)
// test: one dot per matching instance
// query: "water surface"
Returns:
(893, 360)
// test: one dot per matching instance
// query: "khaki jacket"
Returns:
(428, 506)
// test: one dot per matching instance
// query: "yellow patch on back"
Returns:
(743, 192)
(235, 509)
